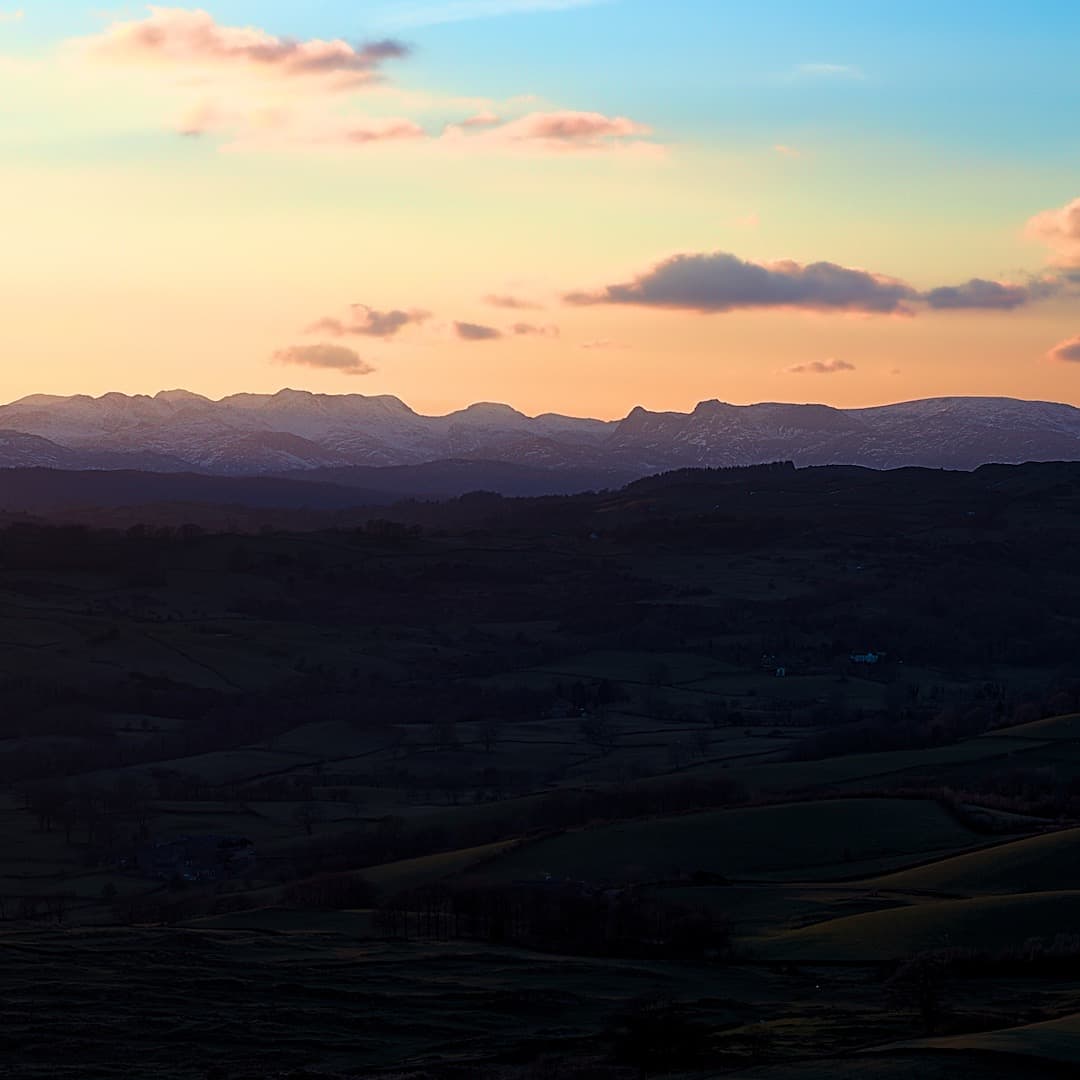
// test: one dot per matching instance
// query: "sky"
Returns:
(563, 205)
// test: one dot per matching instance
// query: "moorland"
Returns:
(764, 773)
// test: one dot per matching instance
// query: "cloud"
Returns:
(568, 129)
(448, 11)
(830, 71)
(602, 343)
(326, 357)
(523, 329)
(12, 16)
(983, 294)
(368, 322)
(482, 120)
(512, 303)
(558, 131)
(200, 118)
(720, 282)
(475, 332)
(372, 131)
(1059, 230)
(787, 151)
(1067, 351)
(820, 367)
(192, 39)
(272, 93)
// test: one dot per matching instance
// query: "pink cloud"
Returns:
(560, 131)
(1067, 351)
(570, 130)
(1059, 230)
(192, 38)
(483, 119)
(240, 72)
(787, 151)
(200, 118)
(372, 131)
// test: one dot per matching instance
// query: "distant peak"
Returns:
(709, 406)
(178, 396)
(491, 408)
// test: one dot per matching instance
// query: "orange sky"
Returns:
(332, 175)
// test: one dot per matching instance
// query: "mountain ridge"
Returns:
(299, 431)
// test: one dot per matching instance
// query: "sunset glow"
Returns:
(567, 206)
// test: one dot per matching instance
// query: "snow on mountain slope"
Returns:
(251, 434)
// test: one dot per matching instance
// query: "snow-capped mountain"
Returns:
(255, 434)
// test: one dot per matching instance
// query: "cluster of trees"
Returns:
(564, 917)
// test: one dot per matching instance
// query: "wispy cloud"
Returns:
(820, 367)
(326, 357)
(511, 303)
(12, 16)
(1068, 350)
(368, 322)
(829, 71)
(1059, 230)
(178, 38)
(787, 151)
(602, 343)
(257, 91)
(558, 132)
(524, 329)
(435, 12)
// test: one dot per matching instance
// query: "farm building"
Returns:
(195, 858)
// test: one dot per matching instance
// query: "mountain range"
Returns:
(379, 443)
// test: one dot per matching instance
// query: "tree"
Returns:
(308, 815)
(490, 730)
(920, 983)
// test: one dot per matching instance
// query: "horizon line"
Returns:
(164, 393)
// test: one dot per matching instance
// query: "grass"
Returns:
(788, 842)
(855, 768)
(1037, 863)
(428, 869)
(1053, 727)
(301, 991)
(1054, 1041)
(989, 922)
(907, 1065)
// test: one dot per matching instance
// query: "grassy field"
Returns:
(1034, 864)
(1057, 1041)
(813, 841)
(910, 1065)
(988, 922)
(412, 873)
(300, 991)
